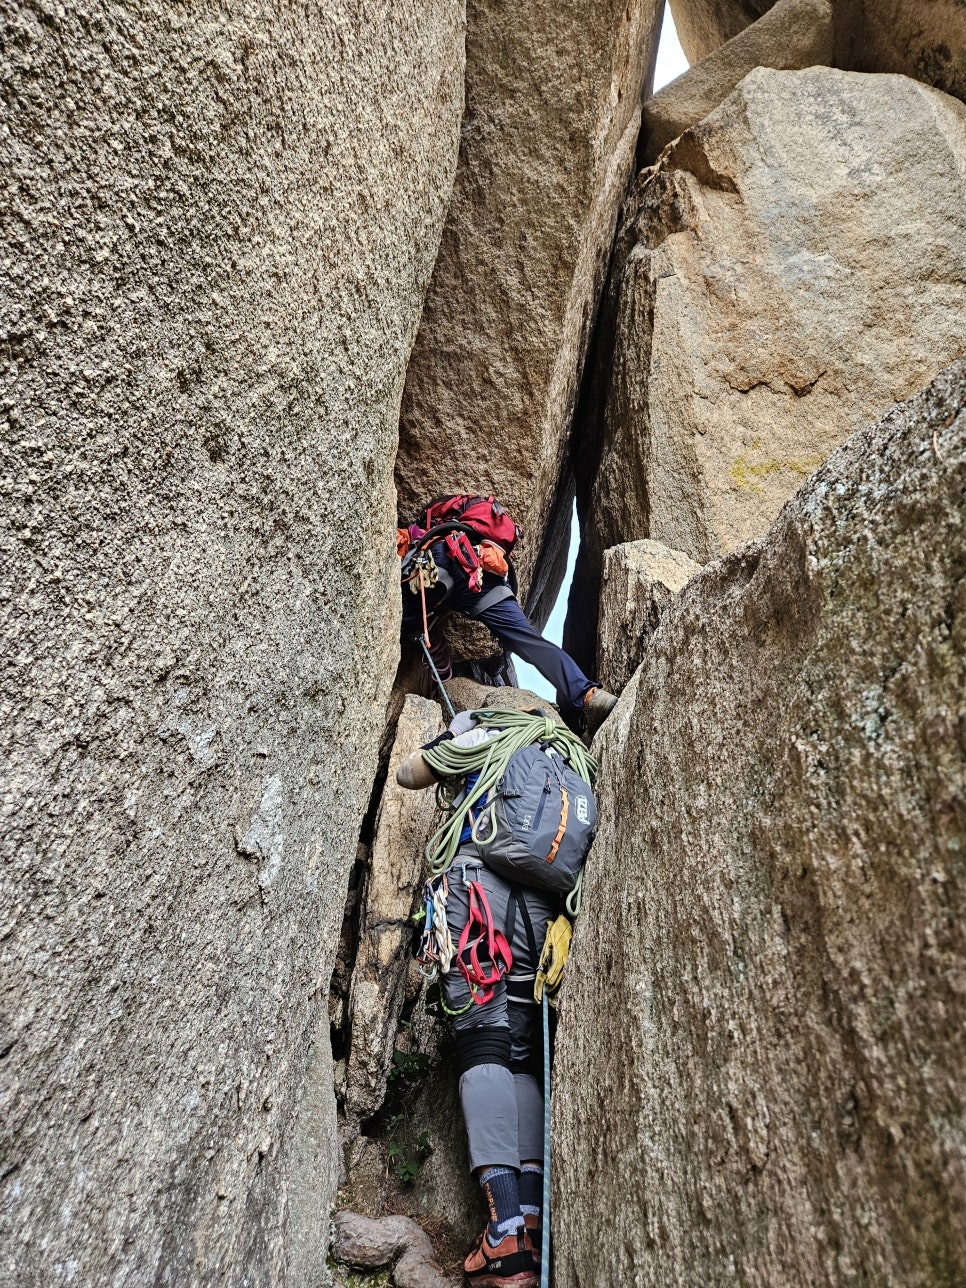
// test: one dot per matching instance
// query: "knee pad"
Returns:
(482, 1046)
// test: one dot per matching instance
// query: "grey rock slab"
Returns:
(762, 1035)
(552, 118)
(792, 35)
(219, 225)
(640, 578)
(390, 892)
(703, 26)
(792, 266)
(925, 39)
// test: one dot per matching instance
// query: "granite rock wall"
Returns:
(218, 229)
(759, 1064)
(553, 96)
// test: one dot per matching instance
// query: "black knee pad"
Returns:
(482, 1046)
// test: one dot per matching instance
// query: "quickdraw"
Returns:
(436, 948)
(420, 571)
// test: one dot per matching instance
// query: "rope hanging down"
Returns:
(489, 759)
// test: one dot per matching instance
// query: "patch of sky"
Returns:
(671, 63)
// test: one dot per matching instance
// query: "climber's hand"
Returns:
(462, 722)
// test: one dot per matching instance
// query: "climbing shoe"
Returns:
(535, 1235)
(510, 1262)
(598, 704)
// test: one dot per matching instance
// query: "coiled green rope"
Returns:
(489, 759)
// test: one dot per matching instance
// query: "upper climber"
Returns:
(457, 555)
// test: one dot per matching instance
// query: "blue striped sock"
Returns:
(501, 1189)
(531, 1189)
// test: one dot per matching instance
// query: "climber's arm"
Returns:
(414, 773)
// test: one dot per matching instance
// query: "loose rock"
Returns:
(792, 35)
(370, 1244)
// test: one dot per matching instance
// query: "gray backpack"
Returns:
(538, 824)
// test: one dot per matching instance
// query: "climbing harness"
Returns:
(514, 731)
(436, 952)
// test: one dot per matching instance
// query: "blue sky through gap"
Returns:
(671, 63)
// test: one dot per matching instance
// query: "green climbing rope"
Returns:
(489, 759)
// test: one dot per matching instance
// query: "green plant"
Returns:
(406, 1162)
(408, 1066)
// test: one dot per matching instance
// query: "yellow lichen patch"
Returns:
(745, 473)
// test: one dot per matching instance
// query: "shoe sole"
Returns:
(525, 1279)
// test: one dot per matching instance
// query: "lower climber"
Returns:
(456, 557)
(488, 989)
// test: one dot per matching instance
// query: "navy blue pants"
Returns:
(510, 625)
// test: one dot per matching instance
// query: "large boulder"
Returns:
(925, 39)
(703, 26)
(552, 118)
(792, 266)
(763, 1030)
(219, 225)
(795, 34)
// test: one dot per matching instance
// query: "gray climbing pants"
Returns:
(503, 1108)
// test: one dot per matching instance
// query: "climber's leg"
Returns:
(482, 1032)
(510, 625)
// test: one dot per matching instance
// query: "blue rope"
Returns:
(545, 1247)
(432, 667)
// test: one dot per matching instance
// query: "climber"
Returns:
(456, 555)
(493, 926)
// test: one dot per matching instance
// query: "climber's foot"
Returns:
(509, 1263)
(598, 704)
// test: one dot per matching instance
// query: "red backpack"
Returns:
(483, 514)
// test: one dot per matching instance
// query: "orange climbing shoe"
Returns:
(509, 1263)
